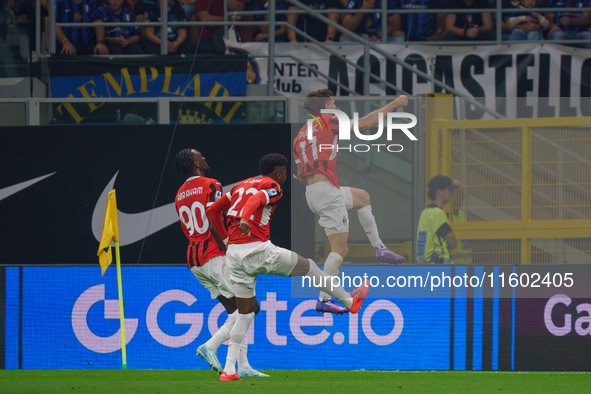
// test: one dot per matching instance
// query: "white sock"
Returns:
(368, 222)
(236, 337)
(223, 334)
(332, 267)
(323, 282)
(243, 359)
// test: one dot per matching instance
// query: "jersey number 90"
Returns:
(190, 218)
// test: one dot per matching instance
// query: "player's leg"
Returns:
(326, 200)
(244, 368)
(319, 279)
(208, 351)
(359, 199)
(332, 265)
(284, 262)
(212, 275)
(223, 333)
(241, 262)
(247, 309)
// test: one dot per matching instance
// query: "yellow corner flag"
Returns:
(110, 233)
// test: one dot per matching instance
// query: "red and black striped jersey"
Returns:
(192, 199)
(263, 189)
(318, 155)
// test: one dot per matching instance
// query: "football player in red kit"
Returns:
(205, 257)
(317, 169)
(250, 205)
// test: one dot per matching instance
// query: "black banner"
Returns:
(56, 178)
(68, 66)
(553, 334)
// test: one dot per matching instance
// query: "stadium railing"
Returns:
(526, 189)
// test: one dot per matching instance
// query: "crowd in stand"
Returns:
(518, 25)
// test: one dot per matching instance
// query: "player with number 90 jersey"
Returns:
(192, 199)
(236, 200)
(318, 155)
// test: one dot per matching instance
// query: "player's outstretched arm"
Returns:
(215, 216)
(255, 202)
(372, 119)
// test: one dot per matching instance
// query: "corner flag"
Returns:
(110, 233)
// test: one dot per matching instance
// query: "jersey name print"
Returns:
(192, 199)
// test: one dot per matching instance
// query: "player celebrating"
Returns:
(250, 205)
(318, 171)
(204, 256)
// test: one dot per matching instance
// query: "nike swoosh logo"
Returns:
(132, 226)
(10, 190)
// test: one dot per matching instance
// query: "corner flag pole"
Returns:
(120, 289)
(111, 234)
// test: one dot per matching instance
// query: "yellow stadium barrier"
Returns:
(525, 187)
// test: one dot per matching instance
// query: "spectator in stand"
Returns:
(7, 18)
(506, 28)
(209, 39)
(369, 25)
(24, 12)
(393, 27)
(83, 40)
(315, 28)
(527, 26)
(189, 7)
(261, 32)
(570, 25)
(145, 10)
(6, 13)
(131, 4)
(423, 27)
(25, 9)
(176, 36)
(121, 40)
(466, 26)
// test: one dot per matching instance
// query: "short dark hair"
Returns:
(439, 182)
(183, 161)
(269, 162)
(318, 99)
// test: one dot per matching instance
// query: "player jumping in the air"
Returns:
(250, 205)
(317, 169)
(205, 256)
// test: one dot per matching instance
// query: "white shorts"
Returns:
(247, 261)
(214, 276)
(330, 204)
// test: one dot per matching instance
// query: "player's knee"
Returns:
(363, 198)
(229, 304)
(360, 198)
(302, 266)
(247, 305)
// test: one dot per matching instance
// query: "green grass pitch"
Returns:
(359, 382)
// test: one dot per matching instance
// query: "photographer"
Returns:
(435, 237)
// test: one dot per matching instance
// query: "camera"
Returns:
(436, 258)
